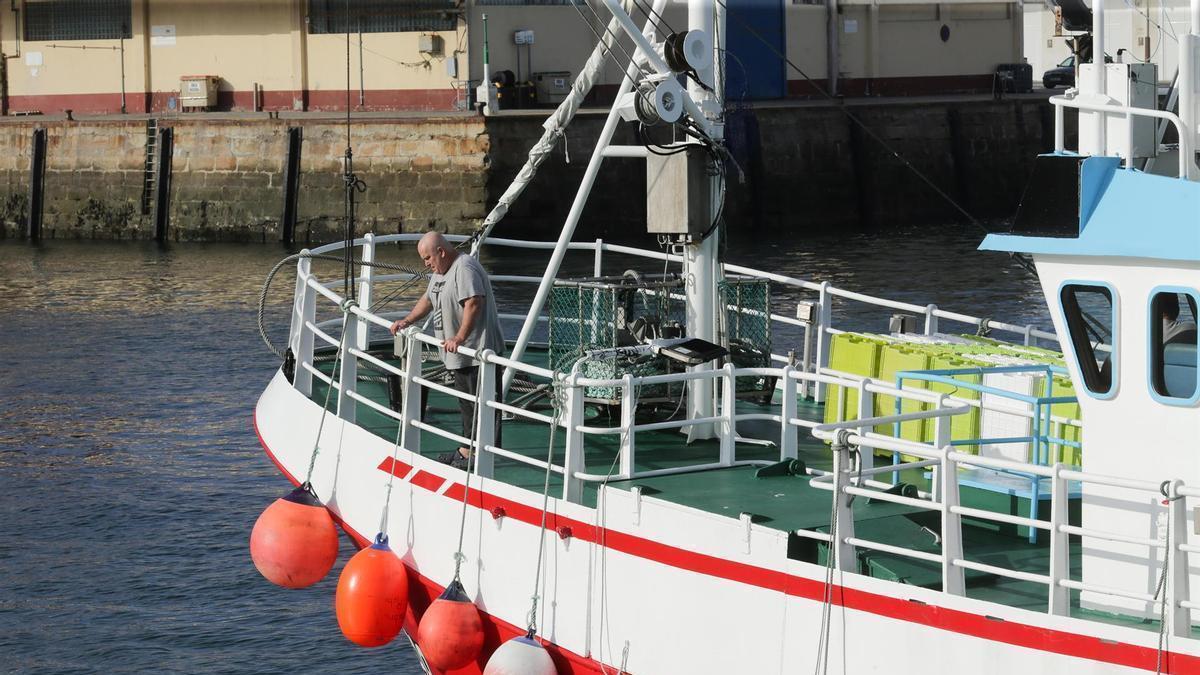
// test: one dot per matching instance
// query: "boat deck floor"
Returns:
(784, 502)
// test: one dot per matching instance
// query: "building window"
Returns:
(381, 16)
(77, 20)
(1090, 314)
(1173, 360)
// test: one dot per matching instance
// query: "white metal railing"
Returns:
(849, 477)
(1129, 113)
(811, 376)
(845, 481)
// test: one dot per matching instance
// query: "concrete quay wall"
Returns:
(804, 168)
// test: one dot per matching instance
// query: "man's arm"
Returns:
(472, 308)
(418, 312)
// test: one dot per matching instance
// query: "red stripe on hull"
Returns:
(942, 618)
(395, 467)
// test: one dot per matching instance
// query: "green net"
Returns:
(610, 312)
(746, 331)
(606, 313)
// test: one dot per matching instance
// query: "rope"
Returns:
(312, 460)
(1161, 587)
(387, 500)
(1021, 259)
(822, 664)
(557, 402)
(262, 295)
(985, 327)
(472, 451)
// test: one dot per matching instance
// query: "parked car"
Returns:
(1062, 75)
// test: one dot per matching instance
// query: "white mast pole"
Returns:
(1099, 72)
(568, 230)
(1189, 89)
(701, 264)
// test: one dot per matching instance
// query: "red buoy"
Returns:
(372, 595)
(294, 542)
(451, 632)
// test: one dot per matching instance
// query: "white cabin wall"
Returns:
(1129, 435)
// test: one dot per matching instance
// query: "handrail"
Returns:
(601, 246)
(1185, 143)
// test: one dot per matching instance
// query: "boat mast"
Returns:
(702, 268)
(1189, 85)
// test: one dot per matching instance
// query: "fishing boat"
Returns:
(659, 487)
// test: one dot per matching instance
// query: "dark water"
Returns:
(130, 474)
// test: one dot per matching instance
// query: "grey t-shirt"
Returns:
(466, 278)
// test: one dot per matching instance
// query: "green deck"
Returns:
(783, 502)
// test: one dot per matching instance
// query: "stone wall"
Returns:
(228, 177)
(801, 167)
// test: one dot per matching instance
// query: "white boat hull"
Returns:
(658, 588)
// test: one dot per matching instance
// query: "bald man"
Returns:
(464, 315)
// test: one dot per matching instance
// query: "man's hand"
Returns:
(452, 344)
(399, 325)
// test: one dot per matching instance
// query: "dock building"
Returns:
(162, 56)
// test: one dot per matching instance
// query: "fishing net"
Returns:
(746, 330)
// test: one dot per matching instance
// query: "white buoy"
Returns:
(520, 656)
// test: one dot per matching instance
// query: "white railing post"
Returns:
(953, 577)
(844, 554)
(298, 305)
(365, 285)
(728, 413)
(931, 320)
(788, 441)
(348, 372)
(1178, 586)
(410, 435)
(824, 318)
(1059, 602)
(573, 461)
(1029, 337)
(1060, 134)
(304, 338)
(485, 415)
(598, 258)
(866, 410)
(628, 419)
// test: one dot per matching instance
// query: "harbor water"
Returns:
(130, 473)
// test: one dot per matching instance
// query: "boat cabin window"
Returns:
(1090, 318)
(1173, 359)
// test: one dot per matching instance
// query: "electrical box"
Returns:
(430, 44)
(552, 87)
(1129, 84)
(198, 91)
(677, 192)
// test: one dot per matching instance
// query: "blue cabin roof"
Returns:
(1122, 213)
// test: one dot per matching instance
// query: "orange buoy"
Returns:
(372, 595)
(294, 542)
(451, 632)
(521, 655)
